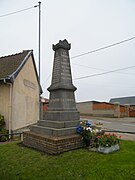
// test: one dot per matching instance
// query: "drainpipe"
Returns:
(10, 107)
(4, 81)
(10, 110)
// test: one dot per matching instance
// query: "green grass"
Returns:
(18, 163)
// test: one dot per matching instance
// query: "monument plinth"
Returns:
(60, 120)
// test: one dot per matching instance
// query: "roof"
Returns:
(87, 102)
(11, 65)
(94, 102)
(124, 100)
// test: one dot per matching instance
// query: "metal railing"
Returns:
(11, 136)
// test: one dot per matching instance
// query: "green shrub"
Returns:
(2, 122)
(2, 129)
(3, 138)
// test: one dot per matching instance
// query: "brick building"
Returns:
(104, 109)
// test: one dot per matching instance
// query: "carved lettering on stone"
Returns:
(62, 100)
(29, 84)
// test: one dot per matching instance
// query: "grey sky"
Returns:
(87, 25)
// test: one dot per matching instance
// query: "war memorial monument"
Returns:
(56, 133)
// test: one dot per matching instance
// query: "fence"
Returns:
(104, 109)
(12, 136)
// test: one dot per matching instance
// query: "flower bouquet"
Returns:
(88, 131)
(99, 125)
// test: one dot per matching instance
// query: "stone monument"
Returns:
(56, 133)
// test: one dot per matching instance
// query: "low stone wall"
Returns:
(52, 145)
(103, 113)
(103, 109)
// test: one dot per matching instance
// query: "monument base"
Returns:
(61, 115)
(52, 145)
(55, 128)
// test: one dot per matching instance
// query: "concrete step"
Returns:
(52, 131)
(58, 124)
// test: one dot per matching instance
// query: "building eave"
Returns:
(6, 80)
(16, 72)
(11, 78)
(41, 91)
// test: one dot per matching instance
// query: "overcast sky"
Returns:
(87, 25)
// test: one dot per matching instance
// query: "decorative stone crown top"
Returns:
(62, 44)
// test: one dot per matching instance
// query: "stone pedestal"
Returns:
(51, 144)
(62, 117)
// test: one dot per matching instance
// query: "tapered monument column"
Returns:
(62, 106)
(56, 133)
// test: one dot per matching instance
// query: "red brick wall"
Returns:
(45, 107)
(106, 110)
(52, 145)
(102, 106)
(122, 109)
(132, 113)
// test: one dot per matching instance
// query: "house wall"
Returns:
(102, 109)
(103, 113)
(85, 108)
(124, 111)
(25, 99)
(4, 102)
(132, 113)
(95, 109)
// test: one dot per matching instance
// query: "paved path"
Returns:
(124, 127)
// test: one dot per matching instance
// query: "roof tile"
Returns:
(9, 64)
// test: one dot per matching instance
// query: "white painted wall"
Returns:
(25, 101)
(4, 101)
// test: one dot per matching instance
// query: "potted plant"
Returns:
(108, 143)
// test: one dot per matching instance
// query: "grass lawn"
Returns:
(18, 162)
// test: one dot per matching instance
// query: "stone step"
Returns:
(52, 131)
(58, 124)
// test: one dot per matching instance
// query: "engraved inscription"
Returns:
(65, 63)
(62, 100)
(61, 70)
(65, 78)
(56, 69)
(29, 84)
(64, 55)
(64, 52)
(65, 74)
(65, 67)
(56, 53)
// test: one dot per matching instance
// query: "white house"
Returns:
(19, 90)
